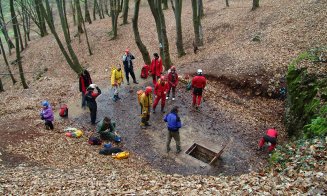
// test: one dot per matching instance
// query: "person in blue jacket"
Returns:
(173, 124)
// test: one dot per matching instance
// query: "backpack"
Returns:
(121, 155)
(145, 72)
(139, 94)
(94, 141)
(63, 112)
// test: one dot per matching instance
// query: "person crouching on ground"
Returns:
(156, 68)
(160, 92)
(173, 125)
(198, 84)
(172, 82)
(117, 79)
(271, 137)
(90, 97)
(106, 129)
(47, 115)
(146, 102)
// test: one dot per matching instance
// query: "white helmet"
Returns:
(199, 71)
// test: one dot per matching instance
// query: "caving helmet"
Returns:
(173, 68)
(127, 50)
(162, 78)
(45, 103)
(148, 90)
(199, 71)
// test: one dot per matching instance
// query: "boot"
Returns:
(163, 110)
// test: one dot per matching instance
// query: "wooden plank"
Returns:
(218, 154)
(190, 150)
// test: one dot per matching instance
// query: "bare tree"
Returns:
(1, 86)
(178, 19)
(6, 62)
(144, 51)
(255, 4)
(227, 3)
(125, 11)
(165, 4)
(18, 58)
(115, 9)
(197, 23)
(4, 30)
(87, 12)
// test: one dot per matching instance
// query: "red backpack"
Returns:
(63, 112)
(145, 71)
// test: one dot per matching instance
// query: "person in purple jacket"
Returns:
(173, 125)
(47, 115)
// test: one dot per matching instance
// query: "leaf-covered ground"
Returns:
(34, 160)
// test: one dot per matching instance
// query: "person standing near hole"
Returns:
(128, 66)
(198, 84)
(173, 124)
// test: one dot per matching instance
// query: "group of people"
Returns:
(163, 85)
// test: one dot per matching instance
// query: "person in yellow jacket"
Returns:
(146, 102)
(117, 78)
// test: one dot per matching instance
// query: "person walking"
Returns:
(271, 137)
(198, 84)
(172, 82)
(90, 97)
(145, 102)
(156, 68)
(160, 91)
(173, 124)
(117, 79)
(84, 81)
(128, 66)
(47, 115)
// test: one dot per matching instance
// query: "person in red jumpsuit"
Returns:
(198, 84)
(270, 136)
(160, 91)
(172, 82)
(156, 68)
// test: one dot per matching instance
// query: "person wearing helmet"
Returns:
(198, 84)
(117, 79)
(172, 82)
(156, 68)
(84, 81)
(160, 91)
(128, 66)
(146, 102)
(90, 97)
(47, 115)
(269, 137)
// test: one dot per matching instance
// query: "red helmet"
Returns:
(148, 90)
(162, 78)
(173, 68)
(127, 50)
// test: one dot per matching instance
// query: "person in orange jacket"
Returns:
(172, 82)
(160, 91)
(198, 84)
(271, 137)
(156, 68)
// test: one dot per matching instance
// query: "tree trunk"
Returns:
(4, 30)
(66, 21)
(255, 4)
(227, 3)
(42, 27)
(100, 4)
(73, 12)
(165, 44)
(22, 16)
(1, 86)
(106, 8)
(155, 14)
(201, 12)
(165, 4)
(6, 62)
(179, 34)
(94, 10)
(114, 10)
(87, 13)
(144, 51)
(196, 23)
(125, 11)
(20, 37)
(79, 17)
(15, 27)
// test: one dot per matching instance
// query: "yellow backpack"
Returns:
(121, 155)
(139, 94)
